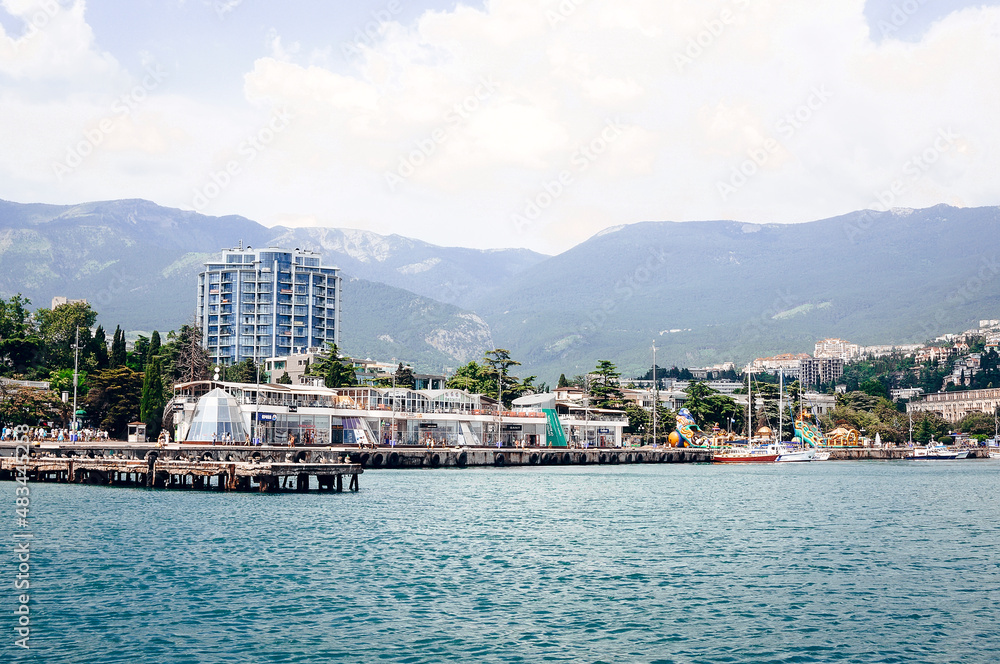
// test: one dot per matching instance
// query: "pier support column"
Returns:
(302, 483)
(354, 482)
(340, 483)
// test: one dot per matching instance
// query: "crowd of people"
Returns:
(53, 435)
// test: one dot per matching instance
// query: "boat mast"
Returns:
(749, 406)
(656, 399)
(781, 403)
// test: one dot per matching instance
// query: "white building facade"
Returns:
(267, 303)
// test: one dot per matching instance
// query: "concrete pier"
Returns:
(205, 456)
(146, 468)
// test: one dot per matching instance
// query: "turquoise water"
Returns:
(824, 562)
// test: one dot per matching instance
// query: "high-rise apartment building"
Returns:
(260, 303)
(817, 370)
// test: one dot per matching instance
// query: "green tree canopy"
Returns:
(153, 398)
(57, 331)
(711, 408)
(404, 377)
(335, 372)
(114, 399)
(604, 385)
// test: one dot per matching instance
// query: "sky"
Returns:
(502, 123)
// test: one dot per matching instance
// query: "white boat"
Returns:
(937, 451)
(748, 454)
(822, 455)
(995, 452)
(788, 454)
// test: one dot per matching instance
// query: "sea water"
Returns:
(820, 562)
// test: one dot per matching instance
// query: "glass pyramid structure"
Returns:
(217, 412)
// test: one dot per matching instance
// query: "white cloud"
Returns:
(446, 128)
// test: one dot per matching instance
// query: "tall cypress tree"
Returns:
(154, 345)
(153, 401)
(118, 354)
(100, 348)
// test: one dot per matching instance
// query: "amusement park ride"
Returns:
(808, 444)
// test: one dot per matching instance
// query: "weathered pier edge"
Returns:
(141, 466)
(272, 468)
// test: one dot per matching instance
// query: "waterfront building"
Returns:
(816, 370)
(953, 406)
(267, 303)
(316, 415)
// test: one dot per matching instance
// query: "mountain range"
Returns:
(704, 292)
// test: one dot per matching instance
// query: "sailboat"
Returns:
(787, 453)
(750, 453)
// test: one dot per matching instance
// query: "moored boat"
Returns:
(938, 451)
(748, 454)
(788, 454)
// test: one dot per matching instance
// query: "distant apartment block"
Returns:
(887, 350)
(934, 354)
(60, 300)
(267, 303)
(953, 406)
(787, 362)
(836, 349)
(901, 393)
(817, 370)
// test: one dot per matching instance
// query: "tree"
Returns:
(604, 386)
(977, 423)
(62, 381)
(470, 377)
(114, 399)
(139, 357)
(57, 331)
(875, 388)
(562, 381)
(154, 344)
(184, 360)
(285, 379)
(20, 346)
(404, 377)
(99, 349)
(118, 354)
(245, 371)
(335, 372)
(499, 382)
(710, 407)
(153, 398)
(20, 404)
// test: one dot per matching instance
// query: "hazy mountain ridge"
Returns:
(705, 291)
(137, 263)
(889, 277)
